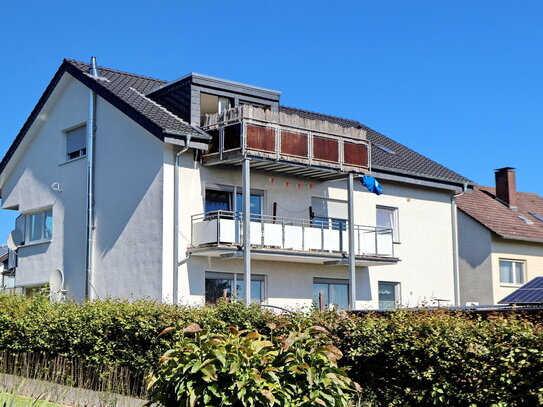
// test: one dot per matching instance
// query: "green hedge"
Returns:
(403, 358)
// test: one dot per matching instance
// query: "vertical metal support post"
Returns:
(246, 184)
(352, 268)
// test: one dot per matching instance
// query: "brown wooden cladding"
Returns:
(355, 154)
(294, 143)
(325, 149)
(260, 138)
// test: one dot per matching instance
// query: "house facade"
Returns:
(134, 187)
(500, 240)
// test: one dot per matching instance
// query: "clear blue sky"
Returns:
(458, 81)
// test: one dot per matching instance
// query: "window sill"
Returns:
(35, 243)
(511, 285)
(71, 161)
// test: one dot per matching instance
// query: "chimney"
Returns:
(506, 186)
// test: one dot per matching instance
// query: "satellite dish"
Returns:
(56, 281)
(15, 239)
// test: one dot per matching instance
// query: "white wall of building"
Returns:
(134, 201)
(128, 207)
(39, 163)
(425, 271)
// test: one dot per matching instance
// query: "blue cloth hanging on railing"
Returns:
(371, 184)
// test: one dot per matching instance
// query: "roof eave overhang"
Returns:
(418, 179)
(519, 238)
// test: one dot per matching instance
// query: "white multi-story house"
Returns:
(134, 187)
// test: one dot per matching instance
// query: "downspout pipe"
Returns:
(456, 261)
(91, 133)
(176, 212)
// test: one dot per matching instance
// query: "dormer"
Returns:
(193, 96)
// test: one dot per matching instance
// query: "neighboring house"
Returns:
(500, 240)
(7, 277)
(158, 178)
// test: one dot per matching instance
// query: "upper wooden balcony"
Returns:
(284, 143)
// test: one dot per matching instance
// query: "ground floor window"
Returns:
(389, 295)
(334, 293)
(232, 286)
(511, 272)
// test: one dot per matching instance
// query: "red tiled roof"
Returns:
(483, 206)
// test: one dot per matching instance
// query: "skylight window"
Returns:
(385, 149)
(528, 221)
(535, 215)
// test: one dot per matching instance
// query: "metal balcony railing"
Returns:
(225, 228)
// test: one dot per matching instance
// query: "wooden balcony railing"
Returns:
(287, 138)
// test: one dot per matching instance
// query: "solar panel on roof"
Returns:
(529, 293)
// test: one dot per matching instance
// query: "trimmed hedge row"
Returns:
(403, 358)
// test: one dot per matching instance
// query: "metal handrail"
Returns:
(283, 221)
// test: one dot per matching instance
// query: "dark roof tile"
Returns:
(402, 159)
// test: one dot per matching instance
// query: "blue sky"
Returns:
(458, 81)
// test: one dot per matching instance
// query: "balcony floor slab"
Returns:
(257, 253)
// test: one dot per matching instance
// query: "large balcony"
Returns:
(220, 233)
(285, 143)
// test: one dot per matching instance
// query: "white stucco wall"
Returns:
(128, 207)
(40, 162)
(425, 248)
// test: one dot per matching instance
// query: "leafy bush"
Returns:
(244, 368)
(440, 358)
(404, 358)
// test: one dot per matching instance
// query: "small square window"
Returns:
(39, 226)
(76, 143)
(512, 272)
(334, 292)
(389, 295)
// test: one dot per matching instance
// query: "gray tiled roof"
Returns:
(127, 91)
(131, 89)
(402, 159)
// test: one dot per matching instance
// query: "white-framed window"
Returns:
(387, 217)
(39, 226)
(389, 294)
(232, 286)
(333, 291)
(512, 272)
(76, 142)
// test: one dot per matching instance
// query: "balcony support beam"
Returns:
(246, 186)
(350, 223)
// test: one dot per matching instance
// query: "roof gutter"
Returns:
(456, 261)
